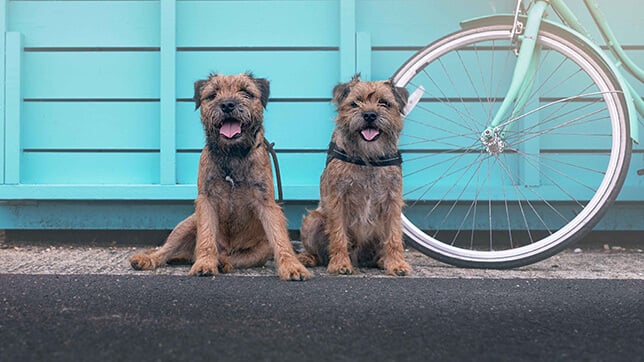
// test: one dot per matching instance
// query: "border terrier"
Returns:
(236, 223)
(358, 220)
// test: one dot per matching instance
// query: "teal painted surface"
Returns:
(90, 125)
(131, 215)
(167, 91)
(97, 94)
(86, 23)
(3, 29)
(13, 106)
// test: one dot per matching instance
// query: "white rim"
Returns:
(593, 206)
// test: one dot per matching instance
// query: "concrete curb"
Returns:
(597, 263)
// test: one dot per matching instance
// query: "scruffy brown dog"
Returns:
(358, 219)
(237, 223)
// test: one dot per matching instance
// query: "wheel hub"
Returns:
(493, 141)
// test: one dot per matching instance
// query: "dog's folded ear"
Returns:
(400, 95)
(264, 89)
(342, 90)
(197, 97)
(340, 93)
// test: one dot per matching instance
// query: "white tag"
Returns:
(413, 100)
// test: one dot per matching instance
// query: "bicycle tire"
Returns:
(536, 189)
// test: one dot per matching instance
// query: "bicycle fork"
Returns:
(523, 77)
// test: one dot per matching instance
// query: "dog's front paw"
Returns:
(293, 270)
(401, 268)
(340, 266)
(204, 268)
(142, 261)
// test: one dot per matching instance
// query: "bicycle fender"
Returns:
(504, 19)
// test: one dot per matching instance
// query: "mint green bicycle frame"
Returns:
(528, 54)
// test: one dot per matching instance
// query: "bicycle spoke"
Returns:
(464, 117)
(520, 181)
(443, 176)
(476, 124)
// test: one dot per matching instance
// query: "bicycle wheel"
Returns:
(538, 184)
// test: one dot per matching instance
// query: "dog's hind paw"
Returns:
(142, 262)
(224, 265)
(307, 259)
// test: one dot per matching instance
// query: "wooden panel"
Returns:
(625, 23)
(86, 23)
(76, 215)
(90, 125)
(3, 29)
(454, 176)
(418, 22)
(89, 168)
(168, 92)
(257, 23)
(300, 173)
(91, 75)
(293, 74)
(435, 125)
(12, 107)
(121, 215)
(190, 134)
(299, 125)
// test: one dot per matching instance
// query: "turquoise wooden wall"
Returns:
(98, 127)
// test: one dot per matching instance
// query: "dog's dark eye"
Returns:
(210, 96)
(354, 105)
(247, 94)
(384, 103)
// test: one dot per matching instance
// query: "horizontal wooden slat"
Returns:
(89, 168)
(293, 74)
(300, 172)
(289, 125)
(85, 23)
(121, 215)
(617, 15)
(258, 23)
(187, 192)
(91, 75)
(454, 124)
(417, 22)
(90, 125)
(454, 176)
(474, 76)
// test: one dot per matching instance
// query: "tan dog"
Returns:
(358, 219)
(237, 223)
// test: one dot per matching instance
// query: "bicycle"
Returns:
(506, 168)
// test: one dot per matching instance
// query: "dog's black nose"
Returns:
(369, 117)
(228, 106)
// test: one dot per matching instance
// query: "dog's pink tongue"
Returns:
(370, 133)
(230, 128)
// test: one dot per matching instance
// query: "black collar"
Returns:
(340, 154)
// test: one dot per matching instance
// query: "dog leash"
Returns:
(270, 148)
(340, 154)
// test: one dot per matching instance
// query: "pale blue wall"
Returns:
(97, 95)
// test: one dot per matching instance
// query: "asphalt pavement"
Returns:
(82, 302)
(233, 318)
